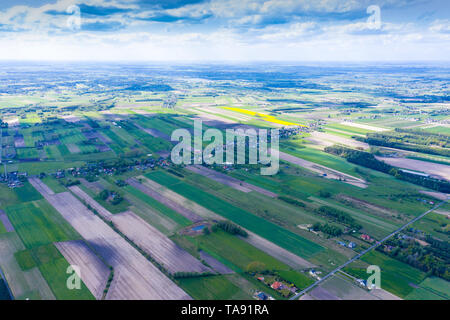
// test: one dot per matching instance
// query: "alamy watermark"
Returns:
(374, 280)
(74, 280)
(229, 151)
(374, 20)
(74, 20)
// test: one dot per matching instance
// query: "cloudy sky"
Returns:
(184, 30)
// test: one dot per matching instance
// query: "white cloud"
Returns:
(298, 39)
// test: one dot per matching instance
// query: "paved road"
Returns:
(377, 244)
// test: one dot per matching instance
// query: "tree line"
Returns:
(368, 160)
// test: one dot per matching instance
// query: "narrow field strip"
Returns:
(135, 277)
(272, 232)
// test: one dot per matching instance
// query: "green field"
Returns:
(433, 223)
(120, 207)
(439, 130)
(55, 272)
(300, 280)
(53, 153)
(113, 208)
(47, 166)
(212, 288)
(39, 225)
(2, 228)
(54, 184)
(25, 260)
(322, 158)
(396, 277)
(63, 150)
(438, 286)
(284, 238)
(27, 153)
(171, 214)
(236, 251)
(27, 193)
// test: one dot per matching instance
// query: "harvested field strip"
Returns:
(440, 171)
(73, 148)
(261, 181)
(350, 128)
(364, 126)
(188, 214)
(173, 258)
(153, 217)
(203, 113)
(19, 142)
(4, 221)
(274, 233)
(154, 132)
(159, 125)
(40, 186)
(94, 204)
(321, 136)
(134, 276)
(94, 272)
(229, 181)
(345, 289)
(54, 184)
(182, 201)
(171, 214)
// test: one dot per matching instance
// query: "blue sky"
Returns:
(277, 30)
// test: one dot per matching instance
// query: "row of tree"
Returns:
(412, 140)
(230, 227)
(368, 160)
(339, 216)
(328, 229)
(433, 258)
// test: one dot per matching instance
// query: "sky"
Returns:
(225, 30)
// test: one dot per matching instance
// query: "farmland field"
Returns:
(396, 277)
(38, 226)
(171, 214)
(278, 235)
(88, 175)
(118, 253)
(212, 288)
